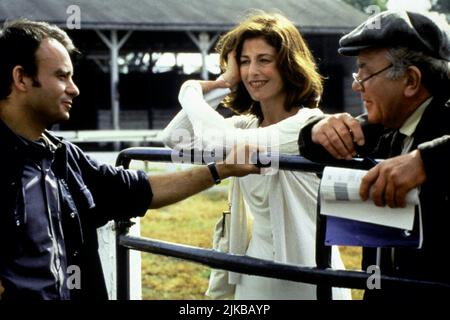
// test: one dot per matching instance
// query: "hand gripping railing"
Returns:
(322, 275)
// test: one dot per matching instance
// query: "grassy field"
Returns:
(191, 222)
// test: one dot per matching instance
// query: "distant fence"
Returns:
(322, 275)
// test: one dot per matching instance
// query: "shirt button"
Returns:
(72, 214)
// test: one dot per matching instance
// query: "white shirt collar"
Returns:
(409, 126)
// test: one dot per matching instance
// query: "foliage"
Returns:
(442, 6)
(363, 4)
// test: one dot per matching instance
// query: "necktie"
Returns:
(386, 254)
(397, 144)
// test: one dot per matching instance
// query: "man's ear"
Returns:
(21, 80)
(413, 81)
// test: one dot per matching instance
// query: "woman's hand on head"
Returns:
(231, 75)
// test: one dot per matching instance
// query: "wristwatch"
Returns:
(215, 175)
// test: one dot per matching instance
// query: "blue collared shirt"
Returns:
(39, 217)
(46, 227)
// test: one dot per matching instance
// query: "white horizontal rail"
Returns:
(110, 135)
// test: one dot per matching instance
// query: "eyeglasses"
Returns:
(361, 81)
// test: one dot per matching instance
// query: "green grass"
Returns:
(192, 222)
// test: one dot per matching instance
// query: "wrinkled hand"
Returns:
(391, 179)
(232, 75)
(337, 134)
(239, 162)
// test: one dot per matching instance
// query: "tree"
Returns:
(442, 6)
(363, 4)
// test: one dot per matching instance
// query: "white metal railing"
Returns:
(110, 135)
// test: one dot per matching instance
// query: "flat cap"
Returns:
(390, 29)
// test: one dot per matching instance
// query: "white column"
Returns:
(203, 43)
(114, 46)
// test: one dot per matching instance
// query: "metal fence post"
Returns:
(323, 252)
(123, 261)
(322, 275)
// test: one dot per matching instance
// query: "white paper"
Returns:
(339, 195)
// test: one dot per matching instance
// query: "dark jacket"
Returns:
(92, 194)
(429, 262)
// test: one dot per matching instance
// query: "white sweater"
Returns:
(292, 196)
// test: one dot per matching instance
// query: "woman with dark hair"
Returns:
(271, 81)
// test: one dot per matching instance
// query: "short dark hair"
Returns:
(19, 41)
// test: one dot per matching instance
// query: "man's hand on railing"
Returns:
(338, 134)
(173, 187)
(238, 163)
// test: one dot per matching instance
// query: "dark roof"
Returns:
(318, 16)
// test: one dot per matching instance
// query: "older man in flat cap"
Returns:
(403, 78)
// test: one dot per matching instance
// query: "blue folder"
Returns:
(346, 232)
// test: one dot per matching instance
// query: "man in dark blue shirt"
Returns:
(53, 197)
